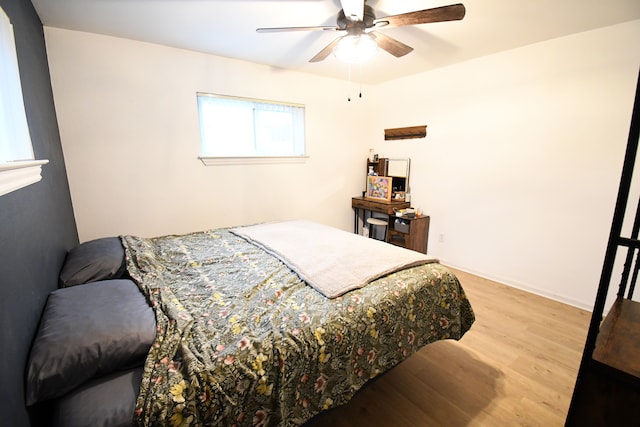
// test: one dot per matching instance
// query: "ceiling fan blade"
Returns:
(453, 12)
(353, 9)
(391, 45)
(282, 29)
(320, 56)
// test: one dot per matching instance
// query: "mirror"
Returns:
(399, 170)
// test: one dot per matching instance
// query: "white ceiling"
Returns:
(227, 28)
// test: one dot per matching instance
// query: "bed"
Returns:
(216, 327)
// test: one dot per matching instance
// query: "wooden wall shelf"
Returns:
(410, 132)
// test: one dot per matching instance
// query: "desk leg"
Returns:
(355, 220)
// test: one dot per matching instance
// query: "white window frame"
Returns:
(296, 154)
(17, 165)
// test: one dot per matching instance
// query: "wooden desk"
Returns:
(412, 234)
(373, 205)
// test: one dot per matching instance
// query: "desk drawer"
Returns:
(377, 206)
(361, 204)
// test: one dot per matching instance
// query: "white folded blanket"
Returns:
(333, 261)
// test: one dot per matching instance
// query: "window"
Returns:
(17, 167)
(238, 129)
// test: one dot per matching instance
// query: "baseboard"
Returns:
(523, 287)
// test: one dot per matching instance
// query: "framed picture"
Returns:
(379, 187)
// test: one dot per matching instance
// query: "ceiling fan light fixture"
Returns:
(355, 49)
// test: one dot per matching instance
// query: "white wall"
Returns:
(129, 127)
(519, 170)
(521, 164)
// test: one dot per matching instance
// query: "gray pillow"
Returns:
(88, 331)
(106, 401)
(98, 259)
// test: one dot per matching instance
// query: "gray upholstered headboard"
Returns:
(37, 226)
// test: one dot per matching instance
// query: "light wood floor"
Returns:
(516, 367)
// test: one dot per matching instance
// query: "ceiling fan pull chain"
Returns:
(361, 80)
(349, 82)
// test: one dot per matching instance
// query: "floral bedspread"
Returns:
(243, 341)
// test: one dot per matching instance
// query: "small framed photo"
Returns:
(379, 187)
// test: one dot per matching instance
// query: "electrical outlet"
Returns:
(441, 238)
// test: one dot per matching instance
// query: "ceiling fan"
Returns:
(360, 23)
